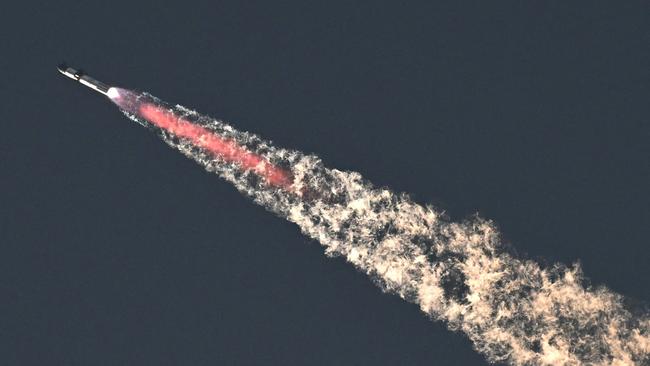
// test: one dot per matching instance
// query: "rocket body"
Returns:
(84, 79)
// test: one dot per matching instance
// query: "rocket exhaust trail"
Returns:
(513, 310)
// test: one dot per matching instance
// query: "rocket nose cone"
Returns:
(62, 67)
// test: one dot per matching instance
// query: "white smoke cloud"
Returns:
(513, 310)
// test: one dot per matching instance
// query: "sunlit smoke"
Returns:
(513, 310)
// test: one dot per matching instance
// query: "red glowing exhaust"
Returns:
(209, 141)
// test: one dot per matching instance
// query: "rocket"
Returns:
(78, 75)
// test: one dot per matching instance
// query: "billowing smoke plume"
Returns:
(513, 310)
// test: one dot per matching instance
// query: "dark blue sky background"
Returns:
(116, 250)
